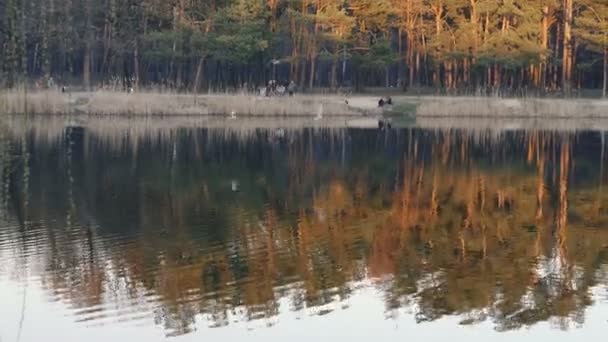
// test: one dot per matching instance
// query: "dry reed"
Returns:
(511, 108)
(165, 104)
(116, 103)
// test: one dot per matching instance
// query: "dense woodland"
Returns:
(469, 46)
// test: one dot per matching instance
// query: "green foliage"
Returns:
(591, 24)
(241, 32)
(377, 57)
(160, 44)
(419, 39)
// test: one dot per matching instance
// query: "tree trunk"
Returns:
(344, 79)
(417, 70)
(604, 90)
(46, 17)
(567, 48)
(412, 67)
(198, 75)
(86, 67)
(23, 48)
(544, 45)
(136, 67)
(293, 63)
(438, 12)
(107, 35)
(447, 75)
(497, 78)
(554, 71)
(86, 60)
(303, 73)
(334, 73)
(401, 57)
(311, 80)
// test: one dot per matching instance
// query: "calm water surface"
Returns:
(199, 233)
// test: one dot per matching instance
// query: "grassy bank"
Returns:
(150, 104)
(509, 108)
(146, 104)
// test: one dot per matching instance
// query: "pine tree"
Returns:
(591, 27)
(459, 45)
(568, 45)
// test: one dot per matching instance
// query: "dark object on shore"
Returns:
(381, 103)
(384, 125)
(346, 101)
(389, 101)
(63, 89)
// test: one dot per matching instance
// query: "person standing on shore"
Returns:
(291, 88)
(50, 83)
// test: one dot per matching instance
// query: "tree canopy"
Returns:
(454, 45)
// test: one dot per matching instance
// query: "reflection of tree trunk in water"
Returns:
(302, 257)
(405, 194)
(23, 227)
(419, 186)
(540, 156)
(412, 181)
(463, 149)
(540, 190)
(598, 205)
(463, 246)
(434, 202)
(467, 222)
(343, 138)
(562, 218)
(445, 151)
(484, 242)
(532, 147)
(482, 193)
(70, 193)
(271, 222)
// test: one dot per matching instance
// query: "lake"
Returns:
(146, 232)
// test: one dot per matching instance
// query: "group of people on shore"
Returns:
(382, 102)
(45, 83)
(275, 88)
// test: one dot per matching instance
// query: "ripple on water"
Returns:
(177, 233)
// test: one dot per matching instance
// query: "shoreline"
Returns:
(55, 125)
(301, 105)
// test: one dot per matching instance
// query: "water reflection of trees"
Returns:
(503, 227)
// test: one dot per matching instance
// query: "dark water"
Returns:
(110, 234)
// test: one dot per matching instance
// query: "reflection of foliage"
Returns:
(480, 226)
